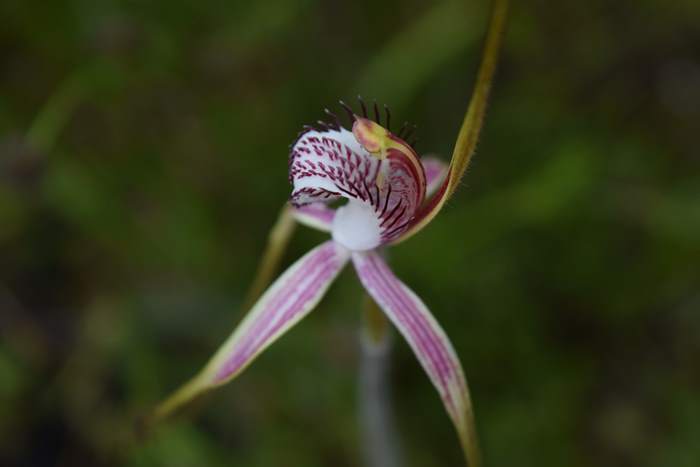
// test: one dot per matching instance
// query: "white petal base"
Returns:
(356, 226)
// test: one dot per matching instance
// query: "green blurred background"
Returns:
(143, 159)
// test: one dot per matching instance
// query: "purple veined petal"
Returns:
(435, 173)
(289, 299)
(316, 215)
(425, 337)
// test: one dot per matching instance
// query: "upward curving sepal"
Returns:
(471, 126)
(427, 340)
(290, 298)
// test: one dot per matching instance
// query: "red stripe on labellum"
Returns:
(325, 165)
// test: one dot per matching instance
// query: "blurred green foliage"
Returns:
(143, 156)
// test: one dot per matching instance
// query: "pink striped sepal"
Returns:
(289, 299)
(424, 335)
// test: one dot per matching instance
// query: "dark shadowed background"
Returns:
(143, 159)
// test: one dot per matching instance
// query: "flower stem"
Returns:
(379, 435)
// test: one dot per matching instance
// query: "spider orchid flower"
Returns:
(385, 185)
(389, 194)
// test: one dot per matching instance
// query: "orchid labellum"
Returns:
(389, 194)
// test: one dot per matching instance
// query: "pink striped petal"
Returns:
(316, 215)
(435, 173)
(288, 300)
(423, 334)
